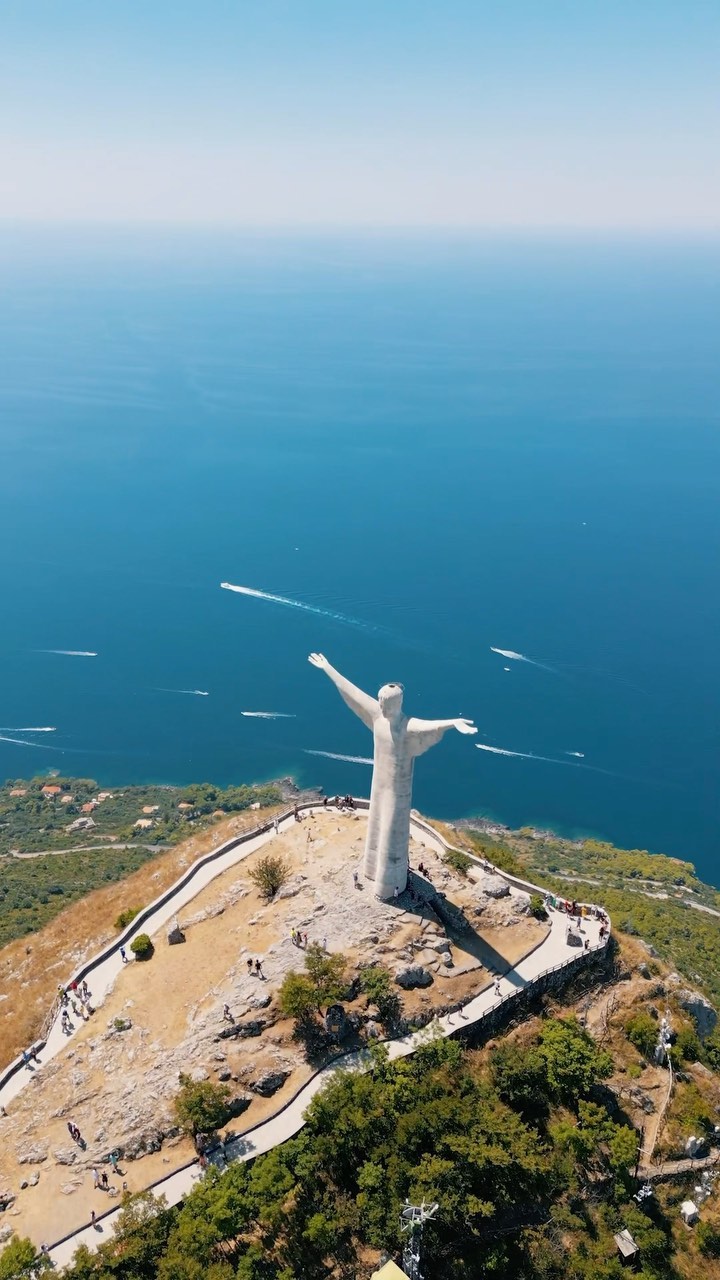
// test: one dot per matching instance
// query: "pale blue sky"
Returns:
(462, 113)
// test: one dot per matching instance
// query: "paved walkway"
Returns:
(552, 953)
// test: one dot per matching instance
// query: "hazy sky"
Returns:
(515, 113)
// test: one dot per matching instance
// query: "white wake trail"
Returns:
(21, 742)
(269, 715)
(27, 729)
(198, 693)
(70, 653)
(529, 755)
(299, 604)
(580, 754)
(512, 656)
(334, 755)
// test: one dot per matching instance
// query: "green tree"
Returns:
(377, 984)
(298, 997)
(142, 946)
(573, 1061)
(201, 1106)
(537, 906)
(707, 1235)
(687, 1045)
(269, 874)
(519, 1073)
(642, 1031)
(20, 1260)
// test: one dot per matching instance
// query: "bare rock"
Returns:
(175, 936)
(238, 1104)
(66, 1155)
(269, 1082)
(34, 1153)
(492, 885)
(33, 1179)
(700, 1010)
(259, 1002)
(413, 975)
(225, 1074)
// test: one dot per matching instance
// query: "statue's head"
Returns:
(390, 699)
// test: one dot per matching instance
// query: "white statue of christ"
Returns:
(398, 740)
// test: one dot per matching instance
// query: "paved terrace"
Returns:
(552, 954)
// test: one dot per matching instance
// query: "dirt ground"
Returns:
(31, 968)
(112, 1083)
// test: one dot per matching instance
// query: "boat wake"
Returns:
(530, 755)
(22, 742)
(198, 693)
(70, 653)
(334, 755)
(512, 656)
(269, 715)
(27, 729)
(299, 604)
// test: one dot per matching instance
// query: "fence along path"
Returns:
(551, 955)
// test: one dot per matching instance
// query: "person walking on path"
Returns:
(114, 1161)
(250, 966)
(276, 826)
(305, 942)
(96, 1178)
(104, 1180)
(258, 969)
(497, 986)
(324, 944)
(92, 1219)
(293, 937)
(355, 879)
(123, 955)
(26, 1059)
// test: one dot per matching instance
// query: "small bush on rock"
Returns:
(458, 860)
(142, 947)
(201, 1106)
(270, 874)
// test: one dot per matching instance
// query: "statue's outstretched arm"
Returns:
(423, 734)
(364, 706)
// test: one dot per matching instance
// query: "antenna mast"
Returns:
(412, 1220)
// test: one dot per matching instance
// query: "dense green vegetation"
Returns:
(33, 890)
(518, 1155)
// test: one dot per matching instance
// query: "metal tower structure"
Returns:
(412, 1220)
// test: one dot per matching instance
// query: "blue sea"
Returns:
(441, 445)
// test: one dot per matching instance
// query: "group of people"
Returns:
(29, 1056)
(77, 998)
(255, 966)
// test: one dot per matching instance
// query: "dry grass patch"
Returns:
(31, 967)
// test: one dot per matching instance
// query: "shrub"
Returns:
(270, 874)
(201, 1106)
(642, 1031)
(142, 947)
(537, 906)
(376, 983)
(303, 994)
(707, 1235)
(126, 917)
(687, 1045)
(458, 860)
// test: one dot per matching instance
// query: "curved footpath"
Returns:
(551, 954)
